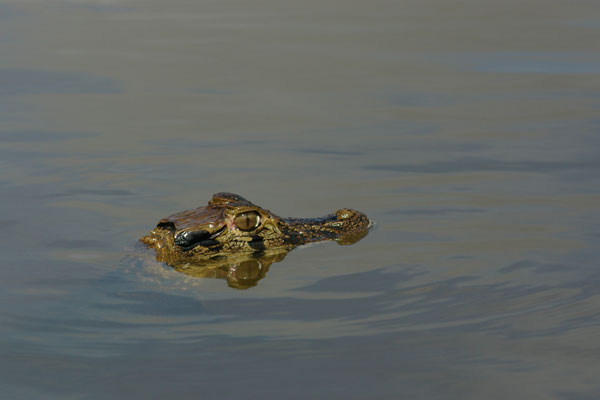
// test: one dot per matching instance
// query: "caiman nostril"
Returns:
(189, 238)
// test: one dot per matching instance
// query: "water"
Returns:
(467, 131)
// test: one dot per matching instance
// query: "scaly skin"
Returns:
(216, 232)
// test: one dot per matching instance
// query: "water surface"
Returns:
(468, 132)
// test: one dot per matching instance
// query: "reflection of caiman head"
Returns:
(231, 231)
(241, 271)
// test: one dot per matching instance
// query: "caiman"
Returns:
(231, 230)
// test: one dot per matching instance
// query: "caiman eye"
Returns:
(247, 221)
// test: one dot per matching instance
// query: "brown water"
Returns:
(469, 131)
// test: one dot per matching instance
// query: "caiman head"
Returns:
(231, 226)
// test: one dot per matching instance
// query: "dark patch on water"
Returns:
(221, 92)
(83, 192)
(195, 143)
(20, 82)
(41, 136)
(102, 192)
(327, 152)
(378, 280)
(58, 325)
(404, 99)
(474, 164)
(560, 63)
(209, 366)
(77, 244)
(435, 211)
(155, 303)
(535, 266)
(8, 11)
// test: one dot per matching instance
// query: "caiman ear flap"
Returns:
(223, 199)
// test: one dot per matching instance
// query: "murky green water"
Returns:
(468, 131)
